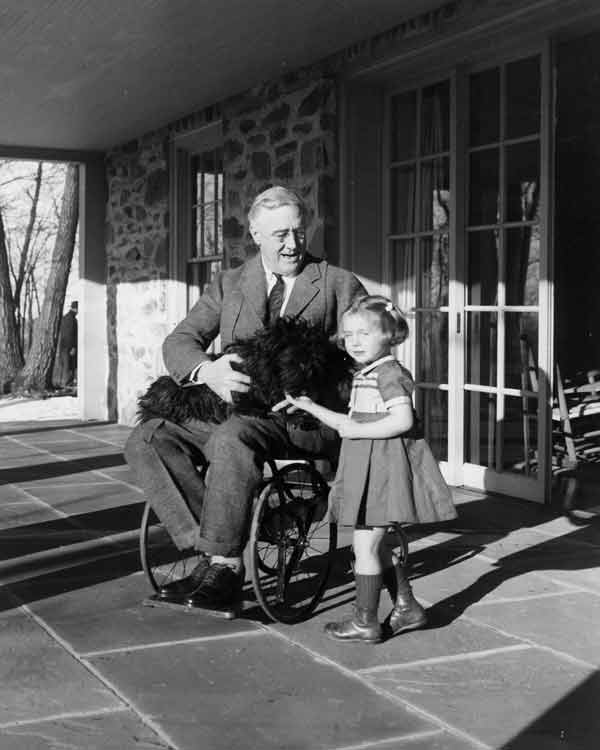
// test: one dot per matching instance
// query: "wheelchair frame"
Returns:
(290, 548)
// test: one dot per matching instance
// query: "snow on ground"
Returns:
(21, 408)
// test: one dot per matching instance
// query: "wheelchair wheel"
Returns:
(162, 562)
(291, 543)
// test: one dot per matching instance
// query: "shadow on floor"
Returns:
(27, 427)
(572, 722)
(481, 522)
(27, 474)
(118, 561)
(21, 541)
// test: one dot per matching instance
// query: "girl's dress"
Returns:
(393, 480)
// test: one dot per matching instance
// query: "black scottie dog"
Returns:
(289, 357)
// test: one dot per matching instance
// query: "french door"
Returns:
(466, 192)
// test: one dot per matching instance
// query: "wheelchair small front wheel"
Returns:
(291, 543)
(162, 561)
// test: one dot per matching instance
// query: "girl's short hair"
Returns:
(391, 319)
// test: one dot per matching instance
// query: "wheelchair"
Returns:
(291, 544)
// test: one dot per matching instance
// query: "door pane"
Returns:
(519, 435)
(523, 265)
(481, 351)
(198, 276)
(402, 195)
(403, 263)
(523, 181)
(523, 87)
(521, 350)
(435, 195)
(482, 267)
(220, 227)
(209, 245)
(432, 410)
(435, 124)
(199, 224)
(431, 332)
(484, 92)
(209, 187)
(484, 187)
(480, 428)
(434, 271)
(403, 126)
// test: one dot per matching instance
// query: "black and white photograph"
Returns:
(299, 375)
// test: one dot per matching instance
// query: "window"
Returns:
(206, 247)
(418, 241)
(196, 211)
(502, 264)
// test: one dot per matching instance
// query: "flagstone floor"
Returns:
(509, 659)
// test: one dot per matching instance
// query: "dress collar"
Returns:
(373, 365)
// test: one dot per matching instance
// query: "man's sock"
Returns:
(233, 562)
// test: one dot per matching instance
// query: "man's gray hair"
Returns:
(275, 197)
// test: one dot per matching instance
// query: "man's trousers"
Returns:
(200, 478)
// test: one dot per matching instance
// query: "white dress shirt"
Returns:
(288, 283)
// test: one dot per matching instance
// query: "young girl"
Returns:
(386, 474)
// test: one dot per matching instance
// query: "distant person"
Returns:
(65, 369)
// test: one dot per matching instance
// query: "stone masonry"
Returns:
(280, 133)
(137, 256)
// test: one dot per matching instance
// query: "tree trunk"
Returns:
(21, 273)
(11, 358)
(37, 373)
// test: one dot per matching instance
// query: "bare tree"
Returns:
(21, 273)
(37, 373)
(11, 358)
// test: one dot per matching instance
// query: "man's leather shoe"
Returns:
(364, 626)
(178, 591)
(220, 588)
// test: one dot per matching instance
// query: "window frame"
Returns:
(183, 148)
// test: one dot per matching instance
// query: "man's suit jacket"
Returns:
(234, 306)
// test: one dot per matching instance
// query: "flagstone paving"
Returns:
(509, 658)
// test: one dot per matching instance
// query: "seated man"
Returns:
(213, 515)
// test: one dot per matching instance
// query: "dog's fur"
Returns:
(289, 357)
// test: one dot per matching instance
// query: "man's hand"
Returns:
(221, 378)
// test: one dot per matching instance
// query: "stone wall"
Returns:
(137, 223)
(282, 133)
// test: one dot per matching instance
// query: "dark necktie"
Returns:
(275, 300)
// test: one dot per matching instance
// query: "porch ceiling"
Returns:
(89, 74)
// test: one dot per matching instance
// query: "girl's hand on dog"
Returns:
(222, 378)
(292, 404)
(339, 422)
(285, 405)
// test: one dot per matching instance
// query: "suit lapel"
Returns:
(305, 289)
(253, 286)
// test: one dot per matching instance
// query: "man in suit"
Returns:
(212, 515)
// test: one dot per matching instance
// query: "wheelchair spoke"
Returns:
(290, 543)
(161, 560)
